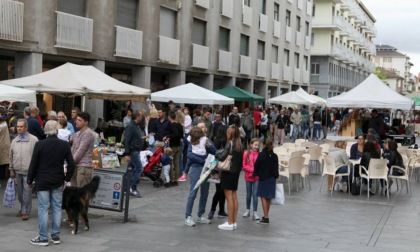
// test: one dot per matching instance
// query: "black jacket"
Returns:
(282, 122)
(133, 140)
(236, 165)
(177, 133)
(394, 158)
(366, 156)
(34, 128)
(47, 161)
(266, 166)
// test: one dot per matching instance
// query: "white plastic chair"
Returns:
(404, 176)
(308, 144)
(299, 141)
(377, 170)
(331, 169)
(414, 167)
(349, 144)
(315, 153)
(297, 153)
(325, 148)
(294, 167)
(289, 145)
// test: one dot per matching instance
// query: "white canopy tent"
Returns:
(191, 94)
(291, 98)
(320, 99)
(371, 93)
(80, 80)
(309, 97)
(13, 94)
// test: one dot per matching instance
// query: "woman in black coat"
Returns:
(394, 158)
(266, 168)
(369, 151)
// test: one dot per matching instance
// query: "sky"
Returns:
(397, 22)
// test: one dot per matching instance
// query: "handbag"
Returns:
(279, 199)
(225, 164)
(355, 186)
(10, 193)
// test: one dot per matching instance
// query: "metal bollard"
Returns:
(128, 176)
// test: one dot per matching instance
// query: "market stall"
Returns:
(12, 94)
(191, 94)
(293, 98)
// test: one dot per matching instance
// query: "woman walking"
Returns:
(229, 179)
(266, 168)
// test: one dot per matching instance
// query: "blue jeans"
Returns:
(181, 159)
(195, 172)
(317, 131)
(251, 190)
(137, 168)
(343, 170)
(46, 199)
(296, 129)
(304, 129)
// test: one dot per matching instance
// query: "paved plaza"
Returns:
(309, 221)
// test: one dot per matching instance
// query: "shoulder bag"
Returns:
(225, 164)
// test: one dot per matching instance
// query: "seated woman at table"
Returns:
(394, 158)
(369, 151)
(356, 152)
(338, 153)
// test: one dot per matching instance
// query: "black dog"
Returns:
(76, 201)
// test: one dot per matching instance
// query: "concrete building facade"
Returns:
(262, 46)
(342, 46)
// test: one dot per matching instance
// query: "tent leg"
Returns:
(83, 103)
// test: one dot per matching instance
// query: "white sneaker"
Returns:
(203, 220)
(344, 187)
(235, 226)
(246, 214)
(226, 226)
(189, 222)
(256, 217)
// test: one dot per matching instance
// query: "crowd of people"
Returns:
(186, 139)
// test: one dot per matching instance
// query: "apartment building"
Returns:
(342, 47)
(388, 57)
(262, 46)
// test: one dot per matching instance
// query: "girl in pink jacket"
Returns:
(249, 158)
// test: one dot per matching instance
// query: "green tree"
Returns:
(380, 73)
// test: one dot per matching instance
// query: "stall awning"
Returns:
(239, 94)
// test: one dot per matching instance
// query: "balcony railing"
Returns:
(203, 3)
(168, 50)
(298, 38)
(308, 8)
(74, 32)
(300, 4)
(261, 68)
(276, 29)
(305, 77)
(225, 61)
(227, 8)
(129, 43)
(275, 71)
(246, 15)
(245, 66)
(296, 75)
(263, 23)
(307, 42)
(200, 56)
(287, 73)
(11, 20)
(288, 34)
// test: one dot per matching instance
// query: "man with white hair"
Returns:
(46, 168)
(52, 115)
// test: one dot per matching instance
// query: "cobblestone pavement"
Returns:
(309, 221)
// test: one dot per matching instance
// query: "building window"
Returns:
(313, 10)
(127, 13)
(199, 32)
(75, 7)
(275, 54)
(315, 68)
(262, 7)
(244, 46)
(297, 60)
(306, 61)
(312, 39)
(261, 50)
(298, 23)
(286, 57)
(389, 60)
(247, 2)
(307, 28)
(287, 18)
(167, 23)
(276, 11)
(224, 38)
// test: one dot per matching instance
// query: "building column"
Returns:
(229, 81)
(95, 107)
(208, 81)
(177, 78)
(248, 85)
(141, 76)
(4, 75)
(263, 89)
(27, 64)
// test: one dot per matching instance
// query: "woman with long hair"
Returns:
(267, 169)
(229, 179)
(369, 151)
(249, 158)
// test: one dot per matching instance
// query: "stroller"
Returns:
(153, 169)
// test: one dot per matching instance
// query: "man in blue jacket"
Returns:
(34, 127)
